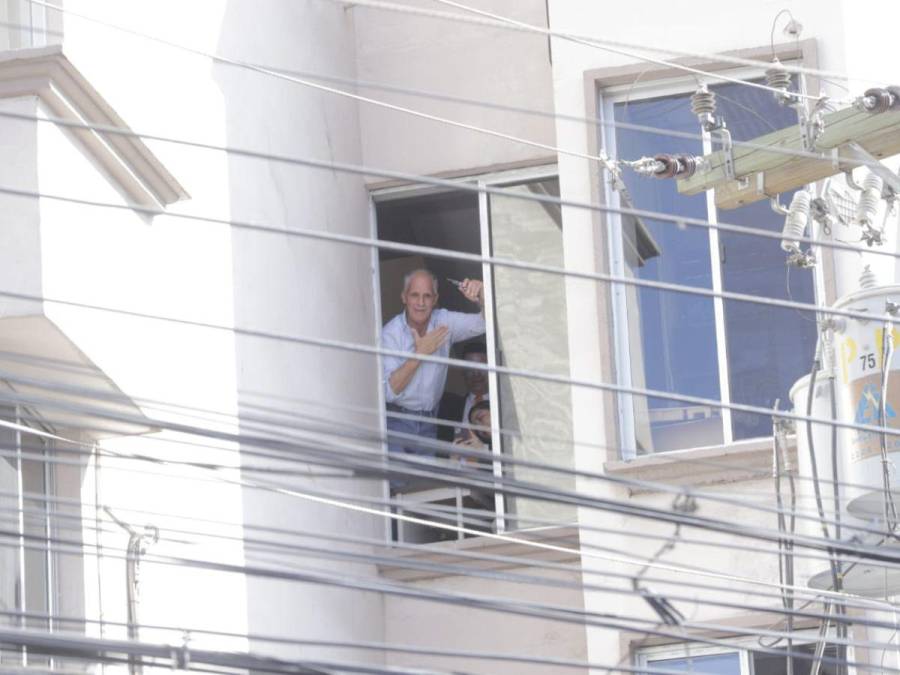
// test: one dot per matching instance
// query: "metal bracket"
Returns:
(724, 137)
(874, 165)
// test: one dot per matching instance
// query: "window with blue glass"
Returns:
(705, 660)
(687, 344)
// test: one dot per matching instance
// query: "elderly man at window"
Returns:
(412, 387)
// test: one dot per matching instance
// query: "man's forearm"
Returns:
(401, 377)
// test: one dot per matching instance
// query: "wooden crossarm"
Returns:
(762, 173)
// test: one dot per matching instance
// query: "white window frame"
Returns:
(32, 21)
(743, 646)
(607, 97)
(49, 491)
(493, 179)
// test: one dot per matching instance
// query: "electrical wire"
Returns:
(553, 612)
(602, 158)
(357, 645)
(477, 557)
(605, 46)
(432, 524)
(459, 185)
(249, 422)
(547, 377)
(380, 466)
(144, 403)
(497, 21)
(314, 551)
(406, 467)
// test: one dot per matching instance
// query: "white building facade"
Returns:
(191, 303)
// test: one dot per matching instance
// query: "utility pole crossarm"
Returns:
(762, 173)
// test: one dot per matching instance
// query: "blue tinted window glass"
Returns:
(714, 664)
(672, 340)
(769, 348)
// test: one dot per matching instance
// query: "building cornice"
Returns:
(46, 73)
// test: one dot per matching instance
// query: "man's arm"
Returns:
(474, 292)
(400, 378)
(426, 344)
(465, 325)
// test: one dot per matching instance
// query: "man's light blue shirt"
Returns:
(424, 391)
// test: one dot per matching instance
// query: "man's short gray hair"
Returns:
(408, 277)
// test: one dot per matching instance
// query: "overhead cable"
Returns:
(498, 21)
(461, 185)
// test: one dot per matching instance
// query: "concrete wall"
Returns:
(443, 626)
(460, 60)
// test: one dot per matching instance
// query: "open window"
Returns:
(688, 344)
(526, 323)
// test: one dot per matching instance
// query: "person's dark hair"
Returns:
(474, 348)
(481, 405)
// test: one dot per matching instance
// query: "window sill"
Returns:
(740, 461)
(443, 553)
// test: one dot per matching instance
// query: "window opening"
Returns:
(691, 345)
(525, 327)
(450, 221)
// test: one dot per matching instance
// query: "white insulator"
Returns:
(796, 221)
(868, 278)
(867, 208)
(703, 102)
(777, 77)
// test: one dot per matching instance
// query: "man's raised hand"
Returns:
(430, 342)
(473, 290)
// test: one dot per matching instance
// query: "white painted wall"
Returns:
(847, 40)
(462, 60)
(19, 235)
(470, 630)
(296, 287)
(209, 273)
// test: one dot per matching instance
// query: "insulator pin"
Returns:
(868, 278)
(676, 166)
(867, 208)
(795, 222)
(879, 99)
(703, 102)
(779, 78)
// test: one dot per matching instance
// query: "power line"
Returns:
(538, 610)
(541, 376)
(408, 466)
(461, 185)
(497, 21)
(373, 461)
(343, 504)
(315, 551)
(366, 433)
(286, 75)
(605, 46)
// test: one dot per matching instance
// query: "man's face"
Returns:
(476, 380)
(419, 299)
